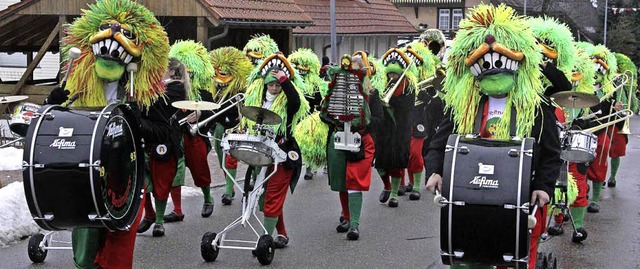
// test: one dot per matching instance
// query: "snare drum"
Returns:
(486, 184)
(254, 150)
(83, 168)
(21, 118)
(578, 146)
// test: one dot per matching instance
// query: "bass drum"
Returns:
(83, 168)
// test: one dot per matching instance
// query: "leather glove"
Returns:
(57, 96)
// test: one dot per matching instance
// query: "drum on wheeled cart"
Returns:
(83, 168)
(485, 201)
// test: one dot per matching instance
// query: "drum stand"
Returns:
(562, 204)
(263, 247)
(39, 246)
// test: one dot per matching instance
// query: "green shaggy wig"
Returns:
(196, 58)
(253, 97)
(463, 93)
(311, 82)
(412, 75)
(609, 58)
(584, 65)
(427, 69)
(626, 66)
(231, 61)
(152, 64)
(558, 36)
(378, 79)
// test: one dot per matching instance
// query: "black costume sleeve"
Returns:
(547, 166)
(377, 114)
(557, 78)
(293, 103)
(205, 114)
(434, 159)
(435, 114)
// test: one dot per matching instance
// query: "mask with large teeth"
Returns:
(494, 66)
(601, 68)
(110, 34)
(114, 46)
(232, 68)
(258, 47)
(276, 61)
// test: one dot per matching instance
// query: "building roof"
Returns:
(273, 12)
(355, 17)
(427, 3)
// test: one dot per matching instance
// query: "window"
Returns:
(443, 19)
(448, 19)
(457, 17)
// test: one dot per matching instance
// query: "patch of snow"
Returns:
(10, 159)
(15, 219)
(188, 192)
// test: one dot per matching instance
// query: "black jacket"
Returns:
(546, 158)
(435, 113)
(394, 137)
(156, 125)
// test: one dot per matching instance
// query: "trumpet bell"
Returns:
(625, 129)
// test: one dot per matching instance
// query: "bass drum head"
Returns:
(121, 170)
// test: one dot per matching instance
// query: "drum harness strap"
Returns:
(477, 124)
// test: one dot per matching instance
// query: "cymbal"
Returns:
(575, 99)
(195, 105)
(13, 98)
(260, 115)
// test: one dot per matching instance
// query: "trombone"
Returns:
(193, 128)
(622, 115)
(389, 91)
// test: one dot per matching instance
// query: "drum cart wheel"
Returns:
(40, 244)
(265, 250)
(209, 248)
(37, 252)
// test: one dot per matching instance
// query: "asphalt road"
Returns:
(404, 237)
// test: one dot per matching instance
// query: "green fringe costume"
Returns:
(148, 46)
(149, 34)
(197, 60)
(463, 93)
(231, 69)
(556, 35)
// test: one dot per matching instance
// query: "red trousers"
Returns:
(598, 168)
(162, 174)
(118, 248)
(416, 162)
(618, 144)
(230, 162)
(276, 191)
(358, 177)
(581, 181)
(195, 153)
(541, 227)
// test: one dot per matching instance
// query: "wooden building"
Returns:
(37, 26)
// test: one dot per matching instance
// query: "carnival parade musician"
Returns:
(393, 145)
(273, 89)
(349, 169)
(196, 146)
(491, 89)
(98, 79)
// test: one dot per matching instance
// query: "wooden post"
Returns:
(38, 58)
(202, 30)
(29, 61)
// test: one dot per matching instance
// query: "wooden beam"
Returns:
(29, 61)
(35, 28)
(202, 30)
(38, 58)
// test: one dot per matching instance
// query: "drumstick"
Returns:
(74, 98)
(131, 68)
(74, 53)
(531, 220)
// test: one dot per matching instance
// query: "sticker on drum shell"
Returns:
(161, 149)
(485, 169)
(65, 132)
(294, 156)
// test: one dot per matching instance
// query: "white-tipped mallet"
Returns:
(531, 220)
(74, 53)
(131, 68)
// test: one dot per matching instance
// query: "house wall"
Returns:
(13, 66)
(426, 15)
(376, 45)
